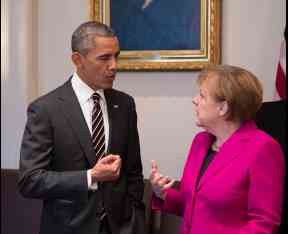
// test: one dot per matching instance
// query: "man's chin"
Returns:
(108, 86)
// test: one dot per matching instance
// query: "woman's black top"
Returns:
(208, 159)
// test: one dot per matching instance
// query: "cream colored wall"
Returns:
(251, 36)
(16, 85)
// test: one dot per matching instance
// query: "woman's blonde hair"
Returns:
(238, 87)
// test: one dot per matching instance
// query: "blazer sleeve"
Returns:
(173, 204)
(266, 190)
(36, 179)
(175, 200)
(134, 168)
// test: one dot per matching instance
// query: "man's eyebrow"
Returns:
(109, 54)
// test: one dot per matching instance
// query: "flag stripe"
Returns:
(280, 82)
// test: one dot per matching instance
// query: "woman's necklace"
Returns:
(215, 147)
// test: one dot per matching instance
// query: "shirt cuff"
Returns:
(91, 186)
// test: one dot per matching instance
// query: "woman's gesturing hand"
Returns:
(159, 182)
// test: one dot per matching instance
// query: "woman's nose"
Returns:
(194, 101)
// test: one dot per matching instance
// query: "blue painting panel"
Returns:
(157, 24)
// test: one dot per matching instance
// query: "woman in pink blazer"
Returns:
(233, 180)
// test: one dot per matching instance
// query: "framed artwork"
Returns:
(163, 35)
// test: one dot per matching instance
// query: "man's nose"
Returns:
(113, 64)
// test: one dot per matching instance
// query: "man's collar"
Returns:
(84, 92)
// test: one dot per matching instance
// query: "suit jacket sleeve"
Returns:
(265, 198)
(134, 165)
(36, 179)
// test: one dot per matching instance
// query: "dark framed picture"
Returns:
(163, 34)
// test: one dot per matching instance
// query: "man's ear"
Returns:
(77, 59)
(223, 108)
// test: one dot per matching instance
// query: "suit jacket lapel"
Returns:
(230, 150)
(112, 107)
(73, 113)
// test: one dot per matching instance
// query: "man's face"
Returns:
(98, 67)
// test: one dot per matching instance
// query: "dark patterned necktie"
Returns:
(98, 134)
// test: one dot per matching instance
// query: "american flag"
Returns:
(281, 71)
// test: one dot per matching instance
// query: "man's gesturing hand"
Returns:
(107, 168)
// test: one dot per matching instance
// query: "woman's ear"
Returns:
(223, 108)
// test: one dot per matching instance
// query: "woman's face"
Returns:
(208, 110)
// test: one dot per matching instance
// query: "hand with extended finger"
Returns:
(106, 169)
(159, 182)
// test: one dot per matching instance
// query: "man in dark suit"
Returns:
(83, 194)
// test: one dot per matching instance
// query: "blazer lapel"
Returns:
(73, 113)
(201, 153)
(230, 150)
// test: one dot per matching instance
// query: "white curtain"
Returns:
(4, 39)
